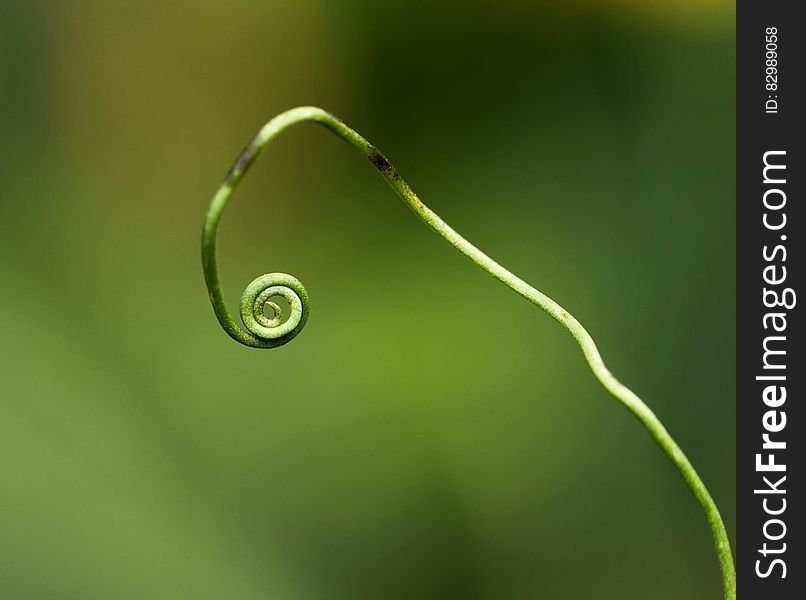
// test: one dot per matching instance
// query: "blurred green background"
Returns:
(392, 451)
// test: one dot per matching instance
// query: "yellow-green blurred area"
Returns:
(430, 434)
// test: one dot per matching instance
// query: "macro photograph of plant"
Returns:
(368, 301)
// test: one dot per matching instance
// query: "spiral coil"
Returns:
(258, 296)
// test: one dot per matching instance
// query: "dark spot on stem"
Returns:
(563, 314)
(380, 162)
(243, 161)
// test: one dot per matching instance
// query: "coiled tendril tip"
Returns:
(258, 296)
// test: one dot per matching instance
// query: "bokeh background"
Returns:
(395, 450)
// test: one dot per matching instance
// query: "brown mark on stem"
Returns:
(243, 161)
(380, 162)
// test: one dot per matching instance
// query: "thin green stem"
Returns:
(269, 332)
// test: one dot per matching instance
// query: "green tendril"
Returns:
(269, 332)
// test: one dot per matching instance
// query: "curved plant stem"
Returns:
(268, 332)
